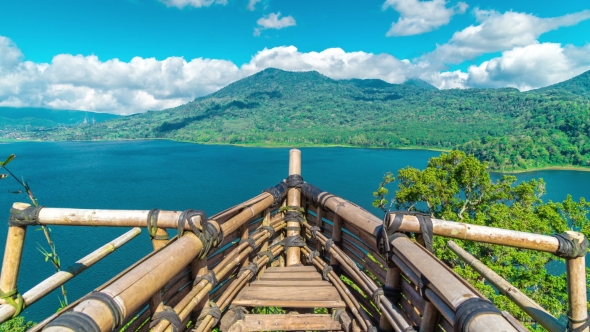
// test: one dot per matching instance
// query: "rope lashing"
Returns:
(327, 269)
(208, 234)
(266, 253)
(152, 225)
(376, 295)
(314, 231)
(571, 247)
(239, 312)
(328, 245)
(312, 254)
(210, 277)
(336, 314)
(296, 216)
(290, 241)
(270, 229)
(213, 311)
(294, 181)
(252, 267)
(250, 242)
(75, 321)
(314, 194)
(278, 192)
(471, 308)
(25, 217)
(170, 315)
(110, 303)
(15, 299)
(390, 227)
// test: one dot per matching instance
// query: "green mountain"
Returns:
(35, 119)
(579, 85)
(508, 128)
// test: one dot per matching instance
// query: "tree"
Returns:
(16, 324)
(456, 186)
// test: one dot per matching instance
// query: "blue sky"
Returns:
(128, 56)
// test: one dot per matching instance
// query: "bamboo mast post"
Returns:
(392, 280)
(529, 306)
(159, 240)
(293, 256)
(576, 286)
(15, 241)
(59, 278)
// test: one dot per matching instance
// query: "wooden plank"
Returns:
(410, 311)
(291, 276)
(410, 292)
(294, 283)
(294, 297)
(289, 322)
(292, 269)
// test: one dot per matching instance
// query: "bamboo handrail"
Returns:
(59, 278)
(529, 306)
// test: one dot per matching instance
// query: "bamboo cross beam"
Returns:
(59, 278)
(529, 306)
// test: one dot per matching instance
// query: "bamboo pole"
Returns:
(265, 222)
(134, 288)
(533, 309)
(53, 282)
(392, 280)
(336, 237)
(293, 256)
(15, 241)
(576, 286)
(430, 317)
(198, 269)
(443, 283)
(470, 232)
(158, 241)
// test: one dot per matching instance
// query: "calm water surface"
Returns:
(177, 176)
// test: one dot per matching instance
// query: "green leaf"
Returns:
(9, 159)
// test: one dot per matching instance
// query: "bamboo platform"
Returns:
(320, 262)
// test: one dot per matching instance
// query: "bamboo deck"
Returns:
(295, 250)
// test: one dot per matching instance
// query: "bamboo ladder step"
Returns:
(288, 322)
(305, 289)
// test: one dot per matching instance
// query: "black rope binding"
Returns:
(26, 217)
(170, 315)
(278, 192)
(296, 216)
(152, 225)
(327, 268)
(376, 295)
(328, 245)
(312, 193)
(570, 247)
(291, 241)
(336, 314)
(212, 311)
(252, 267)
(471, 308)
(312, 254)
(208, 234)
(390, 227)
(209, 276)
(250, 242)
(270, 229)
(314, 231)
(75, 321)
(239, 312)
(110, 303)
(294, 181)
(266, 253)
(393, 294)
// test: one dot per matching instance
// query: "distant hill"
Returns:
(508, 128)
(56, 117)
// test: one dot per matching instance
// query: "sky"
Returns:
(130, 56)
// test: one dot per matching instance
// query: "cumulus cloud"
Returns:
(252, 4)
(192, 3)
(418, 17)
(498, 32)
(273, 21)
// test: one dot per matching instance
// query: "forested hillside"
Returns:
(508, 128)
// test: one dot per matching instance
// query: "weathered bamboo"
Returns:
(160, 239)
(392, 280)
(265, 222)
(134, 288)
(156, 304)
(443, 283)
(576, 286)
(529, 306)
(198, 269)
(470, 232)
(15, 241)
(319, 223)
(48, 285)
(293, 255)
(430, 318)
(336, 237)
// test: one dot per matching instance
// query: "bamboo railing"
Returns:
(190, 281)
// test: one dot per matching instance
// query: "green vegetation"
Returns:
(17, 324)
(458, 187)
(511, 130)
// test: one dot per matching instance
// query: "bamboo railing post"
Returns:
(336, 237)
(430, 317)
(156, 304)
(244, 231)
(529, 306)
(320, 224)
(265, 222)
(160, 239)
(576, 286)
(392, 280)
(198, 269)
(293, 256)
(15, 241)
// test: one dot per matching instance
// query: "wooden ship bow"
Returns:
(294, 258)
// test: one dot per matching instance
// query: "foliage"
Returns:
(51, 255)
(17, 324)
(456, 186)
(507, 128)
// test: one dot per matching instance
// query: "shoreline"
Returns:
(267, 146)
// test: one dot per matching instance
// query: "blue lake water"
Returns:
(177, 176)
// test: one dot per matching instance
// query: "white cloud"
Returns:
(498, 32)
(273, 21)
(418, 17)
(252, 4)
(192, 3)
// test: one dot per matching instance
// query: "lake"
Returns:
(177, 176)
